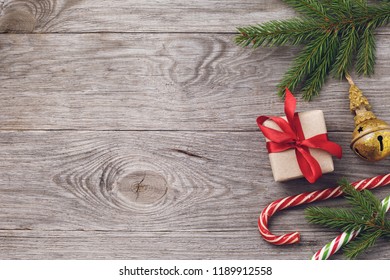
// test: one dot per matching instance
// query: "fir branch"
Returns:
(367, 215)
(278, 33)
(364, 203)
(347, 50)
(353, 21)
(342, 219)
(306, 62)
(317, 77)
(309, 8)
(365, 59)
(376, 16)
(342, 7)
(361, 243)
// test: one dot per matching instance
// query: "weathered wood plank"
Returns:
(158, 82)
(163, 245)
(149, 181)
(86, 16)
(109, 193)
(136, 15)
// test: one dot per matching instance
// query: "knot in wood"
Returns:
(17, 21)
(142, 187)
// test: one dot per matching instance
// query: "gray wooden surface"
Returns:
(127, 130)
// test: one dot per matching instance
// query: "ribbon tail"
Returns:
(332, 148)
(321, 142)
(309, 166)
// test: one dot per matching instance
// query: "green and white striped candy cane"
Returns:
(332, 247)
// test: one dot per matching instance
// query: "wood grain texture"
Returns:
(192, 186)
(163, 245)
(158, 82)
(127, 131)
(136, 15)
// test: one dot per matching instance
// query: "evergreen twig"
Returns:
(334, 34)
(362, 243)
(366, 214)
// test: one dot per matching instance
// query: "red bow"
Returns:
(292, 137)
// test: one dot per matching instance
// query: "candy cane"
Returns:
(304, 198)
(332, 247)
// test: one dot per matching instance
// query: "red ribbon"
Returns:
(292, 137)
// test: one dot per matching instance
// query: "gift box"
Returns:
(298, 145)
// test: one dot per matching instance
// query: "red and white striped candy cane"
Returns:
(305, 198)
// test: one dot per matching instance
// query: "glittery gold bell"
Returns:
(371, 137)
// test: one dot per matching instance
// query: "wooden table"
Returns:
(128, 131)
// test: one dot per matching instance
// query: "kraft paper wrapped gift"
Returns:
(284, 164)
(298, 144)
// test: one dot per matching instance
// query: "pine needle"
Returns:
(347, 49)
(335, 33)
(306, 62)
(365, 59)
(342, 219)
(361, 244)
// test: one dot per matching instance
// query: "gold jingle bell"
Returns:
(371, 137)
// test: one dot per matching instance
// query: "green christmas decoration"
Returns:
(367, 217)
(335, 33)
